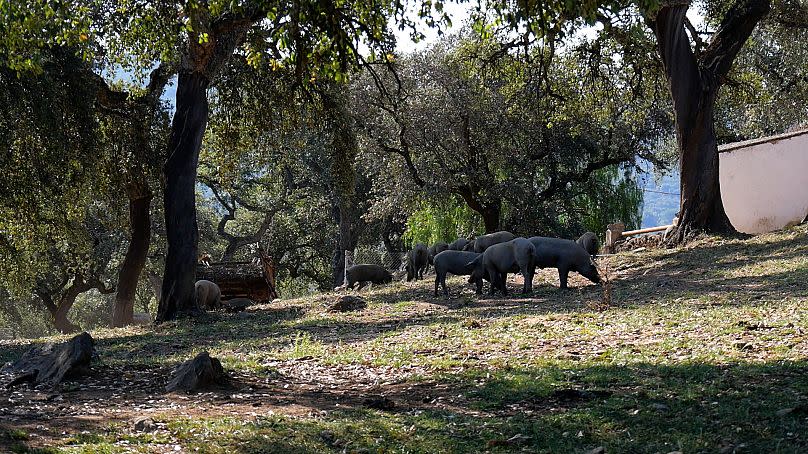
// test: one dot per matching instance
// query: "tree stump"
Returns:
(348, 303)
(198, 373)
(51, 363)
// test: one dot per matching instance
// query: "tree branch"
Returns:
(735, 29)
(559, 180)
(407, 159)
(694, 35)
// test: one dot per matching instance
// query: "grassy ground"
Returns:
(700, 349)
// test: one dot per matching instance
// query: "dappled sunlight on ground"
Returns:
(716, 331)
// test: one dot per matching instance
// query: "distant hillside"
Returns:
(660, 200)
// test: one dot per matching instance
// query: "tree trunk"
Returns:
(489, 212)
(338, 266)
(140, 197)
(701, 207)
(694, 82)
(346, 242)
(187, 129)
(210, 45)
(157, 285)
(230, 251)
(391, 237)
(491, 218)
(343, 175)
(694, 91)
(60, 308)
(60, 320)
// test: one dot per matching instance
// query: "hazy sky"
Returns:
(458, 13)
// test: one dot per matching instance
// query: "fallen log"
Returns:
(51, 363)
(236, 304)
(645, 241)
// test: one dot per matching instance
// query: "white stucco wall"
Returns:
(764, 182)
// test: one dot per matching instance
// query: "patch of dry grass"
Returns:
(699, 349)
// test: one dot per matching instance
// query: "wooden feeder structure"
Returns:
(616, 233)
(254, 279)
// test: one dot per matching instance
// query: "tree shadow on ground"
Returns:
(692, 407)
(641, 407)
(636, 408)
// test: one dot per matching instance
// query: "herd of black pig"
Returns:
(490, 257)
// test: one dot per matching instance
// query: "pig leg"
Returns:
(218, 301)
(361, 284)
(498, 281)
(563, 272)
(494, 274)
(479, 284)
(494, 284)
(528, 276)
(437, 281)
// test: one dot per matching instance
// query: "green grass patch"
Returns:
(701, 349)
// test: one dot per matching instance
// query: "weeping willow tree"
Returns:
(441, 220)
(611, 196)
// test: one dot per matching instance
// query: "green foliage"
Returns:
(48, 134)
(549, 20)
(533, 142)
(344, 147)
(63, 208)
(135, 36)
(271, 146)
(315, 40)
(444, 220)
(29, 28)
(611, 196)
(767, 89)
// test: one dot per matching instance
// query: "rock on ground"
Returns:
(144, 424)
